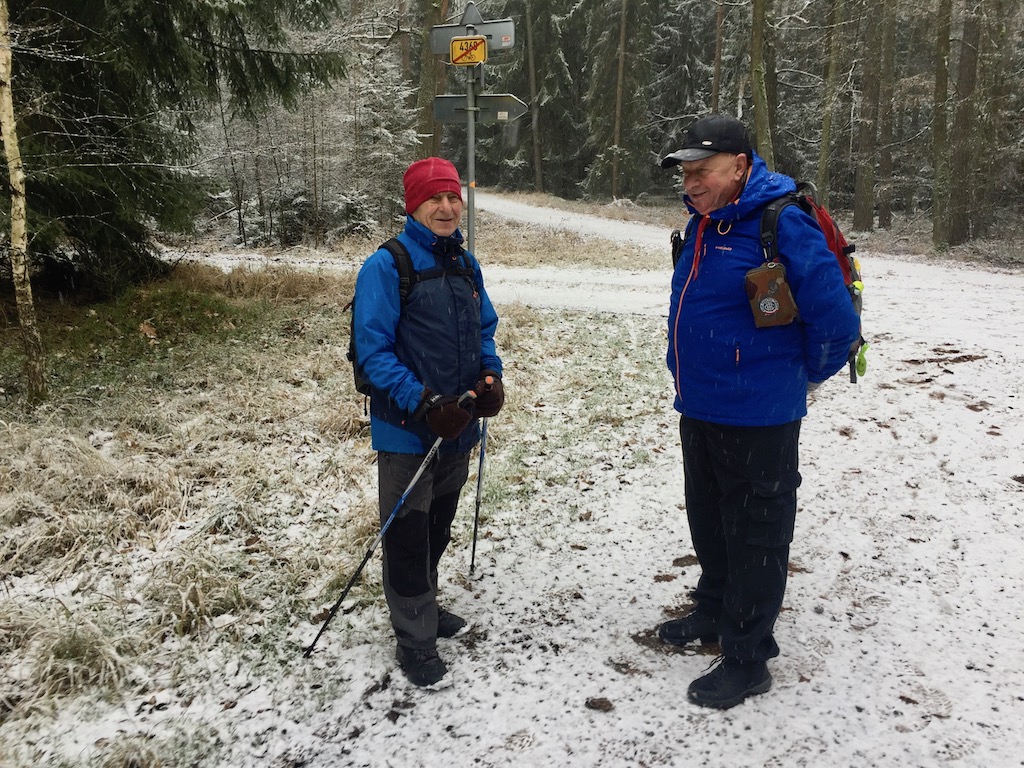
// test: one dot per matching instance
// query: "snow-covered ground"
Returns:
(902, 632)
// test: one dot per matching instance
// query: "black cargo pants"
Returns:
(740, 485)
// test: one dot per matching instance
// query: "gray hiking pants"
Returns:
(417, 538)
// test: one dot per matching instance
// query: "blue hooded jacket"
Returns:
(726, 370)
(441, 338)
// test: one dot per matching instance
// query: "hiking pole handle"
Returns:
(469, 395)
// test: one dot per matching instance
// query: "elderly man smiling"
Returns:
(421, 353)
(741, 382)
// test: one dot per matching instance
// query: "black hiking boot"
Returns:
(695, 626)
(448, 624)
(422, 666)
(730, 683)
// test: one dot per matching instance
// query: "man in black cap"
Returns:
(741, 390)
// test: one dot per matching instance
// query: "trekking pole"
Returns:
(383, 529)
(488, 383)
(479, 485)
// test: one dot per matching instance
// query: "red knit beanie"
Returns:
(428, 177)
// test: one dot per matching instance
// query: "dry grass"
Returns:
(129, 752)
(509, 243)
(274, 283)
(662, 213)
(73, 655)
(186, 493)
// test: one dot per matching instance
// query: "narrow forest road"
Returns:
(901, 631)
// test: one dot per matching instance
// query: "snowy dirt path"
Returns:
(901, 632)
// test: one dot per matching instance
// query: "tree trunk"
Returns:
(963, 143)
(995, 79)
(531, 62)
(314, 165)
(716, 85)
(940, 149)
(867, 135)
(762, 122)
(403, 39)
(619, 78)
(431, 80)
(35, 371)
(236, 177)
(885, 116)
(829, 102)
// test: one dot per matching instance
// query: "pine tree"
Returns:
(617, 98)
(109, 96)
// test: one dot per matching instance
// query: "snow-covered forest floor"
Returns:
(170, 546)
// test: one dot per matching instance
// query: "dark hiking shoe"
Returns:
(448, 624)
(695, 626)
(730, 683)
(422, 666)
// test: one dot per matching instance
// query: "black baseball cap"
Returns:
(709, 136)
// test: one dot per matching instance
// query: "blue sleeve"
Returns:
(830, 322)
(376, 314)
(489, 359)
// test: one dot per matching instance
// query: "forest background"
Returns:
(290, 123)
(199, 486)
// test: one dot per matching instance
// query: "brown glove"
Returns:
(490, 394)
(443, 414)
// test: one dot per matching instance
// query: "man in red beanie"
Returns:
(420, 353)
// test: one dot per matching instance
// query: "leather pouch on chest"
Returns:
(771, 300)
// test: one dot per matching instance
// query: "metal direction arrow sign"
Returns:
(500, 34)
(491, 108)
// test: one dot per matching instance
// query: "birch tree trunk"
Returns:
(34, 363)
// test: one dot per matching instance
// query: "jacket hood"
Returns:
(761, 188)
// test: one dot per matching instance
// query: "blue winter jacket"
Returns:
(441, 338)
(726, 370)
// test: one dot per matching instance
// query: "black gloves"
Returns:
(443, 414)
(490, 394)
(447, 418)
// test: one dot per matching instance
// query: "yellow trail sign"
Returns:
(466, 51)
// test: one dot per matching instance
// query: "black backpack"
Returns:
(407, 277)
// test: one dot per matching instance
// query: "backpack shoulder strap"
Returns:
(770, 225)
(403, 263)
(678, 238)
(465, 265)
